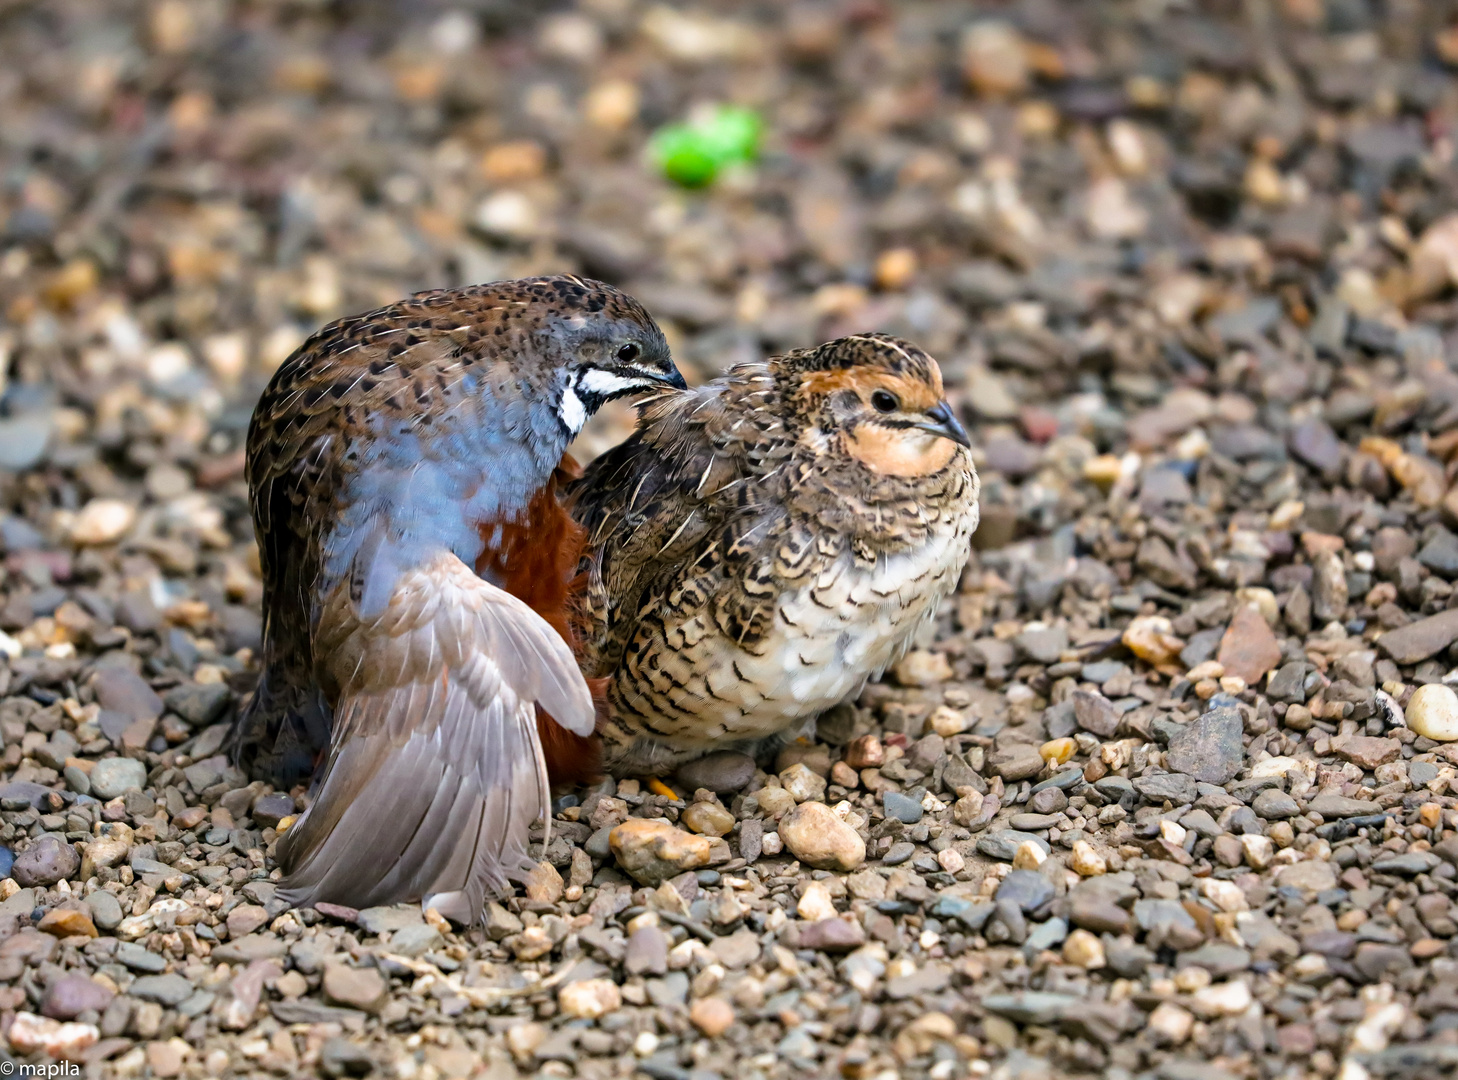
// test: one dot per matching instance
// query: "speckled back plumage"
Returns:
(746, 567)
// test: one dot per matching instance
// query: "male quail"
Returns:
(403, 467)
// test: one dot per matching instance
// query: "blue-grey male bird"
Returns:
(403, 467)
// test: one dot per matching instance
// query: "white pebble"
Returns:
(102, 521)
(1432, 711)
(816, 903)
(589, 999)
(1226, 999)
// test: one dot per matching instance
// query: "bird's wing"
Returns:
(653, 506)
(435, 772)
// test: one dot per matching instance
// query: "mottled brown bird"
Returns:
(766, 543)
(403, 467)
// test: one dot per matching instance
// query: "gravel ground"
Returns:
(1170, 791)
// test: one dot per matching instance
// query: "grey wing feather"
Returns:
(435, 769)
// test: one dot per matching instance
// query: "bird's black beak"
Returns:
(671, 378)
(655, 378)
(941, 420)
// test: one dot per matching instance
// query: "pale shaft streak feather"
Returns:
(434, 770)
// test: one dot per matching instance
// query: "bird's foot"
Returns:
(658, 787)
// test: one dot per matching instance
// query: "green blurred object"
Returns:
(693, 154)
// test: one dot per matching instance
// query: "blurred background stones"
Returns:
(1167, 790)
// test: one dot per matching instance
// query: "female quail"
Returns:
(766, 543)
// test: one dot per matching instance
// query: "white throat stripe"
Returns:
(572, 411)
(597, 381)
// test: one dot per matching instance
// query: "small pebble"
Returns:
(590, 999)
(818, 838)
(1432, 712)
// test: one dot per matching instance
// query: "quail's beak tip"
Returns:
(945, 423)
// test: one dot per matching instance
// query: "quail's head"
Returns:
(875, 399)
(602, 340)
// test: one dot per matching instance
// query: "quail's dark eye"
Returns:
(884, 401)
(628, 353)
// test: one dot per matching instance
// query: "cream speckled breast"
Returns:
(848, 624)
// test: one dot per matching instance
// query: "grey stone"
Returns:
(1421, 773)
(929, 979)
(1415, 642)
(970, 913)
(1288, 683)
(384, 920)
(112, 777)
(1273, 804)
(1004, 843)
(1176, 788)
(1440, 554)
(415, 940)
(722, 772)
(200, 704)
(1095, 713)
(672, 989)
(1030, 1006)
(1126, 959)
(1314, 442)
(1048, 801)
(1152, 915)
(1101, 671)
(1028, 889)
(251, 947)
(1114, 788)
(1202, 824)
(169, 990)
(1033, 822)
(1329, 805)
(137, 958)
(1096, 912)
(340, 1057)
(647, 952)
(1201, 646)
(1016, 761)
(106, 911)
(901, 807)
(898, 853)
(124, 691)
(1408, 864)
(1378, 962)
(1219, 959)
(1048, 934)
(25, 793)
(269, 810)
(1210, 748)
(1043, 646)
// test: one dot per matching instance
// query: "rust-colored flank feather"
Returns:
(536, 560)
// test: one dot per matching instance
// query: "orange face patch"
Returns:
(899, 451)
(915, 395)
